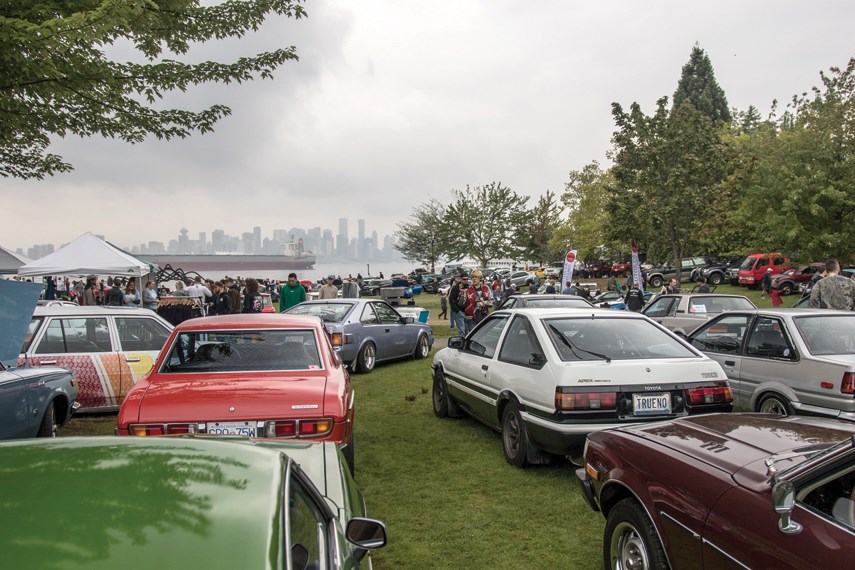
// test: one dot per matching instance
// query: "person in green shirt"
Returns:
(292, 293)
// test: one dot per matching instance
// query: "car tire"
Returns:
(656, 281)
(515, 442)
(422, 347)
(366, 359)
(630, 540)
(775, 404)
(734, 282)
(443, 404)
(715, 279)
(48, 425)
(350, 455)
(786, 288)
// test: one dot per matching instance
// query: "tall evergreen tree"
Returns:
(699, 87)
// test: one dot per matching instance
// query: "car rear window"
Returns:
(328, 312)
(577, 303)
(825, 335)
(242, 351)
(613, 339)
(718, 304)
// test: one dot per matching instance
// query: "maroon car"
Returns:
(725, 491)
(789, 280)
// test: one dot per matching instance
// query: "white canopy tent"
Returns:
(11, 261)
(87, 255)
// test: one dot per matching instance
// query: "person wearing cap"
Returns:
(702, 285)
(766, 283)
(292, 293)
(328, 290)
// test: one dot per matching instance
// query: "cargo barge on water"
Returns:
(292, 258)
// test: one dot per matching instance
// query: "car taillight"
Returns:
(144, 430)
(175, 429)
(709, 395)
(571, 401)
(299, 428)
(336, 339)
(848, 384)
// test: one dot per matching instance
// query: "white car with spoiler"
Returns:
(545, 378)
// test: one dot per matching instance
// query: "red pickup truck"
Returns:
(755, 266)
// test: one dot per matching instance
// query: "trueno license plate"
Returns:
(651, 404)
(248, 429)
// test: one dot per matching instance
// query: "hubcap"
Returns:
(774, 407)
(627, 549)
(512, 435)
(369, 357)
(423, 346)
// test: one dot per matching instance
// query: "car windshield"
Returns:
(747, 264)
(612, 339)
(828, 334)
(242, 351)
(557, 303)
(328, 312)
(713, 304)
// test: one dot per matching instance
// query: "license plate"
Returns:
(651, 404)
(248, 429)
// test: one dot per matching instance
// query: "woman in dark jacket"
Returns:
(251, 297)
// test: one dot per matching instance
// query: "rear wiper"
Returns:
(569, 345)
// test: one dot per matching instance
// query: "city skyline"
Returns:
(320, 241)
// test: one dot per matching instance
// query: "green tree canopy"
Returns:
(699, 87)
(56, 78)
(585, 228)
(536, 235)
(421, 239)
(484, 223)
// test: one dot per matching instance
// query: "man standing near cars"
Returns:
(234, 294)
(292, 293)
(551, 289)
(200, 292)
(457, 302)
(328, 290)
(766, 283)
(834, 291)
(634, 299)
(570, 289)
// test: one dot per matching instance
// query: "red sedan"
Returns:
(247, 375)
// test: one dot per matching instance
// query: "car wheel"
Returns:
(775, 404)
(786, 288)
(715, 278)
(515, 441)
(630, 541)
(443, 405)
(734, 282)
(48, 425)
(349, 455)
(366, 359)
(656, 281)
(422, 347)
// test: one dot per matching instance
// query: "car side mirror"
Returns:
(365, 534)
(456, 342)
(783, 502)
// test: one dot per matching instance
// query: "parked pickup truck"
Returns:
(658, 276)
(621, 269)
(755, 266)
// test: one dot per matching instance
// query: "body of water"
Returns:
(321, 270)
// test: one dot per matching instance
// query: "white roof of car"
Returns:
(72, 311)
(592, 312)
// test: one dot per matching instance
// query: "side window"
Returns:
(762, 262)
(767, 340)
(387, 315)
(307, 528)
(137, 333)
(833, 497)
(724, 335)
(485, 340)
(31, 332)
(660, 307)
(520, 343)
(368, 316)
(84, 334)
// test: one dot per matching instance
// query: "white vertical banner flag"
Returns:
(569, 265)
(636, 267)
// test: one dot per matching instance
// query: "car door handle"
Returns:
(484, 367)
(729, 363)
(131, 359)
(48, 362)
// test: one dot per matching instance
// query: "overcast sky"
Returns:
(394, 102)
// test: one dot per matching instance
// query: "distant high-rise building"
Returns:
(360, 246)
(202, 244)
(256, 239)
(218, 239)
(342, 242)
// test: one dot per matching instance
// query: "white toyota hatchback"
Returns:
(546, 378)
